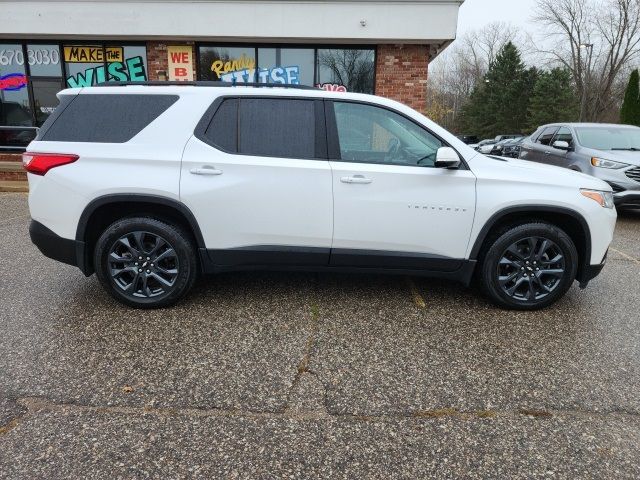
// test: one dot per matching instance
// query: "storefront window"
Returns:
(44, 97)
(351, 69)
(88, 65)
(227, 64)
(286, 65)
(44, 60)
(133, 68)
(45, 67)
(337, 69)
(14, 94)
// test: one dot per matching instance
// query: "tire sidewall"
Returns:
(496, 250)
(174, 236)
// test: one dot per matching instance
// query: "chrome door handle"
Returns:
(206, 170)
(356, 179)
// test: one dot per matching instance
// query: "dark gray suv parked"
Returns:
(609, 152)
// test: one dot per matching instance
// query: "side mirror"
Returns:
(561, 145)
(447, 157)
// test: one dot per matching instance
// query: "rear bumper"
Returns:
(56, 247)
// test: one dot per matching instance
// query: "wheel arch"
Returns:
(103, 211)
(570, 221)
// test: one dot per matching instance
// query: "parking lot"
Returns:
(262, 375)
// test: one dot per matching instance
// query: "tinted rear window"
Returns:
(106, 118)
(223, 129)
(277, 128)
(270, 127)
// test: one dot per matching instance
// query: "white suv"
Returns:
(148, 186)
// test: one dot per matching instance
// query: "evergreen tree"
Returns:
(630, 111)
(553, 99)
(499, 105)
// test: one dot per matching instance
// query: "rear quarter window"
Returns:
(104, 118)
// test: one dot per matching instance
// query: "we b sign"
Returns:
(180, 63)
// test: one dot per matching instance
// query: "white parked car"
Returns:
(485, 146)
(148, 186)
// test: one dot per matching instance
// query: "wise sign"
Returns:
(131, 70)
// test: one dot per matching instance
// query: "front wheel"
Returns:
(529, 267)
(145, 263)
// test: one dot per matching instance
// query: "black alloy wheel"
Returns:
(531, 268)
(528, 267)
(145, 262)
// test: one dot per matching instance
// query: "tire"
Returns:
(145, 263)
(510, 282)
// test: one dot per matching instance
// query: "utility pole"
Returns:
(586, 81)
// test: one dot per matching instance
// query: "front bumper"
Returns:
(628, 198)
(589, 272)
(56, 247)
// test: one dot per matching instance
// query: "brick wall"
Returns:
(157, 60)
(11, 175)
(401, 74)
(10, 157)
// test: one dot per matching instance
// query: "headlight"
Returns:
(605, 199)
(602, 163)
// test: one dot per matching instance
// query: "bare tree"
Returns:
(596, 42)
(456, 72)
(479, 48)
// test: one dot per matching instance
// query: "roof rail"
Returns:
(201, 83)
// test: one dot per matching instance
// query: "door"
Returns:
(392, 207)
(559, 157)
(541, 150)
(259, 184)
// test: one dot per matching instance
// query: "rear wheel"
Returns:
(529, 267)
(145, 263)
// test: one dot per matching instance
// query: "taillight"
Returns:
(41, 163)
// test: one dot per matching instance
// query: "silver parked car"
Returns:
(609, 152)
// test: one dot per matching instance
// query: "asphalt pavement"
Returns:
(272, 375)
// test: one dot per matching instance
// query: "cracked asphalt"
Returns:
(270, 375)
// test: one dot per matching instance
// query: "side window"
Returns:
(372, 134)
(547, 135)
(105, 118)
(563, 135)
(222, 132)
(276, 127)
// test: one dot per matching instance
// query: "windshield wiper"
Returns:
(628, 149)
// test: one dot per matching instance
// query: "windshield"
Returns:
(609, 138)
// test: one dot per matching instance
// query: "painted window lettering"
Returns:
(13, 81)
(333, 70)
(332, 87)
(40, 56)
(283, 75)
(180, 63)
(76, 54)
(11, 57)
(91, 65)
(132, 70)
(220, 67)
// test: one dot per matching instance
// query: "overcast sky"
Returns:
(476, 13)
